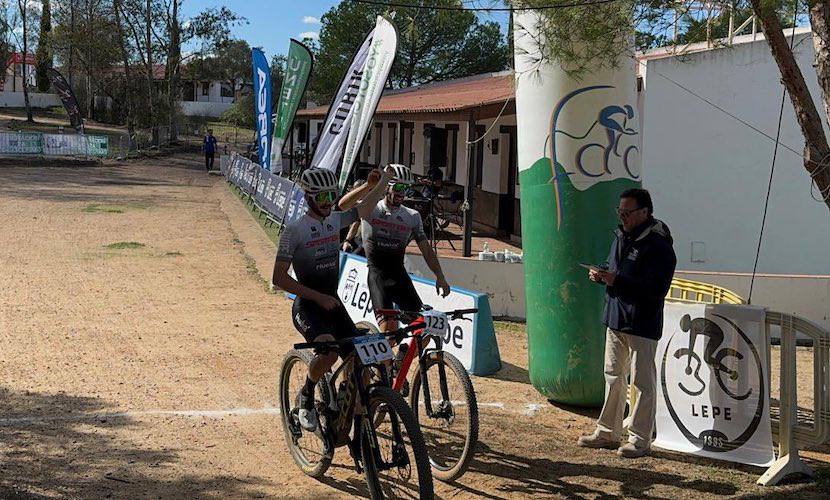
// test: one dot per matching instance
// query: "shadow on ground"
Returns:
(53, 445)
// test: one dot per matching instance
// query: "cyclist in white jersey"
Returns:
(387, 230)
(312, 245)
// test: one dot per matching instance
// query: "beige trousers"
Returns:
(624, 353)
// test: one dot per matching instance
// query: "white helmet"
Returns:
(315, 180)
(400, 174)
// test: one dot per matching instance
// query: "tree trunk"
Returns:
(173, 60)
(90, 57)
(148, 45)
(44, 49)
(71, 62)
(816, 149)
(22, 5)
(128, 102)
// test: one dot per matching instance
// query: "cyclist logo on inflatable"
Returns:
(587, 156)
(595, 159)
(708, 379)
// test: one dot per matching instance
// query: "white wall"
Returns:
(708, 173)
(36, 100)
(193, 108)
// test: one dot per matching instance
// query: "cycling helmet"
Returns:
(400, 174)
(315, 180)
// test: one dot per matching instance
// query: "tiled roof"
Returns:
(443, 97)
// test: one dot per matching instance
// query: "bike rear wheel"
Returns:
(451, 434)
(308, 449)
(403, 469)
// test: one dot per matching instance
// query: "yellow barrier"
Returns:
(696, 292)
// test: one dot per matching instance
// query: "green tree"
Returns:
(433, 45)
(43, 56)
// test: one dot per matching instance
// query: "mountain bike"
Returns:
(387, 444)
(442, 396)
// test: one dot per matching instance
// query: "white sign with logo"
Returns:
(714, 387)
(458, 338)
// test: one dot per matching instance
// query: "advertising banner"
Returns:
(70, 103)
(471, 340)
(339, 117)
(295, 79)
(714, 390)
(375, 72)
(262, 106)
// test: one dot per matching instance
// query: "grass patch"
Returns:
(510, 326)
(125, 245)
(173, 254)
(108, 209)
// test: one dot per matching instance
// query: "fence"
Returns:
(37, 143)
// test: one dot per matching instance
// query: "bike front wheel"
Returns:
(451, 431)
(308, 449)
(394, 454)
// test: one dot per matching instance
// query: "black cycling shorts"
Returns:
(311, 320)
(390, 289)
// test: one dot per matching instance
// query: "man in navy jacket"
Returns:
(638, 276)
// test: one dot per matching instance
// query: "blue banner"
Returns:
(262, 107)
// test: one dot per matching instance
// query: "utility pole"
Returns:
(470, 188)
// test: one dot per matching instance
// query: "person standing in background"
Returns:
(637, 277)
(209, 147)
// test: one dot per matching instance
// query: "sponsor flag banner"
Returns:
(294, 83)
(714, 385)
(262, 106)
(70, 103)
(338, 119)
(375, 72)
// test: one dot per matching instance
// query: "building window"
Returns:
(205, 88)
(226, 90)
(494, 146)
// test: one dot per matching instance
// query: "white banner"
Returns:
(378, 64)
(713, 396)
(339, 117)
(354, 293)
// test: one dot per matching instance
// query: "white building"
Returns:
(429, 125)
(708, 173)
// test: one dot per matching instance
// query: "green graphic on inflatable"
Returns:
(566, 340)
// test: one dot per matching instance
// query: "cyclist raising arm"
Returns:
(311, 244)
(387, 228)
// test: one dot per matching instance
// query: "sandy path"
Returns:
(109, 354)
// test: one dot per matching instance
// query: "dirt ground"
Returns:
(139, 350)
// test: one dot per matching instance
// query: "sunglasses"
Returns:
(325, 197)
(399, 187)
(626, 212)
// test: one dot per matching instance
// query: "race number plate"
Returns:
(372, 349)
(435, 323)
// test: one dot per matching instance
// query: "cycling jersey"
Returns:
(313, 248)
(387, 232)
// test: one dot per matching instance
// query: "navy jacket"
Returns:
(644, 261)
(209, 144)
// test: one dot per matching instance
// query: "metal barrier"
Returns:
(791, 431)
(689, 291)
(38, 143)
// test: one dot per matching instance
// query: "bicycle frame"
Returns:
(421, 342)
(337, 434)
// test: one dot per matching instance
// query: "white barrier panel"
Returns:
(713, 396)
(472, 341)
(20, 143)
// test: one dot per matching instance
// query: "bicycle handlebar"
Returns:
(456, 314)
(398, 335)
